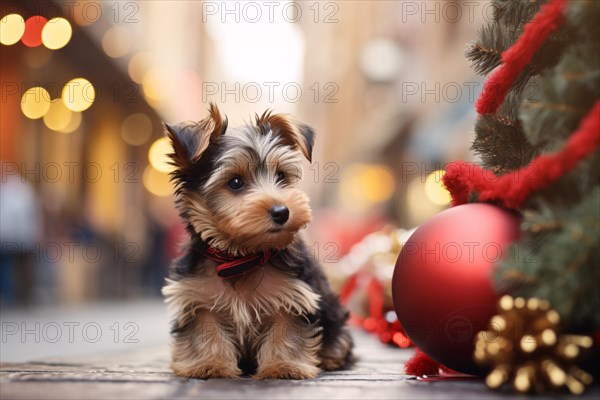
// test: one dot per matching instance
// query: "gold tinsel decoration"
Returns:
(524, 347)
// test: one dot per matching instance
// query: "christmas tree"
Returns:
(558, 258)
(537, 135)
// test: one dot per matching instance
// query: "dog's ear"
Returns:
(292, 133)
(191, 139)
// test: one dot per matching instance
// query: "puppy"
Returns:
(246, 296)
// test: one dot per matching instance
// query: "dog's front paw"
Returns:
(208, 371)
(287, 371)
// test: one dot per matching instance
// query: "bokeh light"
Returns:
(418, 204)
(378, 182)
(58, 116)
(381, 59)
(12, 27)
(364, 185)
(158, 155)
(78, 94)
(155, 84)
(56, 33)
(117, 42)
(434, 189)
(32, 37)
(425, 198)
(139, 65)
(74, 124)
(35, 102)
(136, 129)
(156, 182)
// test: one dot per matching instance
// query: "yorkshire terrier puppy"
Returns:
(246, 295)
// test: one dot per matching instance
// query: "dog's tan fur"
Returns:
(264, 309)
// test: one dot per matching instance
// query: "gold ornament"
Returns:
(524, 347)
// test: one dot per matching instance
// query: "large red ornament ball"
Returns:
(442, 284)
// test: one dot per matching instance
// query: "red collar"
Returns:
(230, 266)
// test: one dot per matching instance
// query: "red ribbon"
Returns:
(512, 189)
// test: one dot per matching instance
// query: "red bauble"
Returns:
(442, 284)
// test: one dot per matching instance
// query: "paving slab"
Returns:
(145, 374)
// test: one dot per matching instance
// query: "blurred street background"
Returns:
(87, 222)
(82, 330)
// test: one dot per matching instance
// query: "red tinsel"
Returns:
(512, 189)
(519, 55)
(420, 364)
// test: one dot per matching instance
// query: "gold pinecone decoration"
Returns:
(524, 347)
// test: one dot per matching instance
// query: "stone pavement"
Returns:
(118, 350)
(144, 374)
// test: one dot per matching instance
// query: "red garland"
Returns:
(519, 55)
(512, 189)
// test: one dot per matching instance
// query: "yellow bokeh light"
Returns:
(434, 189)
(156, 182)
(158, 155)
(138, 65)
(364, 185)
(117, 42)
(56, 33)
(35, 102)
(12, 27)
(136, 129)
(73, 124)
(154, 83)
(78, 94)
(417, 203)
(58, 116)
(378, 183)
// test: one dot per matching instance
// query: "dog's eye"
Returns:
(236, 183)
(280, 176)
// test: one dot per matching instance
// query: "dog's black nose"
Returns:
(279, 214)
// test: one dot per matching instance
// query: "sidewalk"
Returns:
(142, 372)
